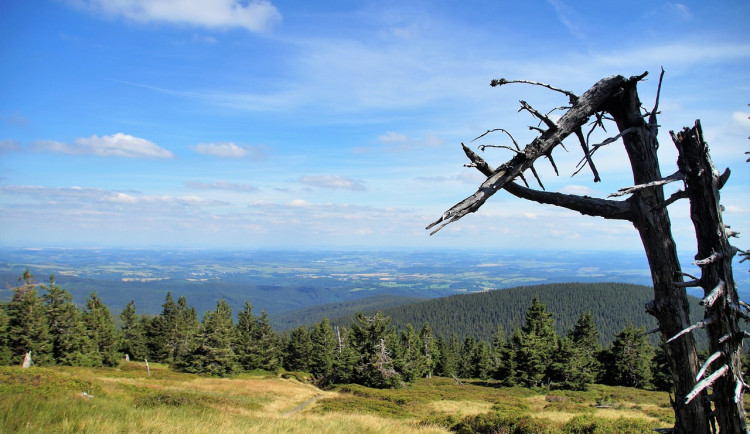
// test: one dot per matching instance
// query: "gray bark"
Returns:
(645, 208)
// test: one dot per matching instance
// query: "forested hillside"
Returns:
(288, 320)
(613, 306)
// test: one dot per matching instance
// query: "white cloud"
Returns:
(333, 181)
(681, 10)
(116, 145)
(580, 190)
(255, 15)
(229, 150)
(568, 18)
(220, 185)
(89, 198)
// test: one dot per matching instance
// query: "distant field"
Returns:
(126, 399)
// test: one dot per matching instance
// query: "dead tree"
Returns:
(723, 309)
(616, 99)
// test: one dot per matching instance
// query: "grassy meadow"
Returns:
(127, 400)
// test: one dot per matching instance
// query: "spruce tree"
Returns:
(28, 330)
(374, 366)
(248, 351)
(324, 346)
(465, 356)
(575, 362)
(71, 344)
(447, 365)
(501, 363)
(481, 361)
(534, 346)
(5, 353)
(410, 360)
(299, 351)
(214, 353)
(268, 343)
(630, 359)
(160, 334)
(430, 350)
(661, 369)
(346, 357)
(101, 332)
(185, 330)
(133, 334)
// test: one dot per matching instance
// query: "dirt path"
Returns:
(303, 405)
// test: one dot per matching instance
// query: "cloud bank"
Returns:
(255, 16)
(116, 145)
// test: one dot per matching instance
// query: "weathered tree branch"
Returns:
(698, 325)
(501, 81)
(706, 382)
(715, 293)
(706, 364)
(608, 209)
(677, 176)
(589, 103)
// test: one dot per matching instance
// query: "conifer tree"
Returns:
(323, 354)
(430, 350)
(299, 351)
(71, 344)
(409, 360)
(374, 366)
(447, 365)
(101, 332)
(465, 355)
(185, 330)
(534, 346)
(268, 344)
(575, 362)
(630, 359)
(133, 334)
(501, 358)
(5, 353)
(661, 369)
(248, 351)
(481, 361)
(28, 330)
(346, 356)
(214, 353)
(160, 333)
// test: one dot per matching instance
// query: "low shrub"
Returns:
(357, 404)
(167, 399)
(503, 424)
(587, 424)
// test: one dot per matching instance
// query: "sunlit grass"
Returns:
(129, 400)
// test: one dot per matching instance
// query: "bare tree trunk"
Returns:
(646, 209)
(721, 301)
(670, 305)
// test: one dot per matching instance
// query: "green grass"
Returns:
(126, 399)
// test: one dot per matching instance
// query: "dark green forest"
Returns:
(370, 350)
(612, 305)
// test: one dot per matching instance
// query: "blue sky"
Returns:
(286, 124)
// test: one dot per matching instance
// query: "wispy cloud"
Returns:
(230, 150)
(681, 10)
(89, 198)
(14, 118)
(220, 185)
(333, 182)
(116, 145)
(567, 17)
(9, 145)
(255, 15)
